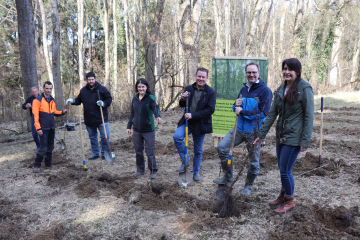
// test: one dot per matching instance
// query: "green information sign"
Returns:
(228, 77)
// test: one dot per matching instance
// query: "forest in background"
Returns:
(165, 41)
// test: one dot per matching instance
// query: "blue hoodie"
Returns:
(256, 104)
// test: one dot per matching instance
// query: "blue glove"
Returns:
(100, 103)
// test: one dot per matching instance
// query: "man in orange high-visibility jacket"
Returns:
(44, 110)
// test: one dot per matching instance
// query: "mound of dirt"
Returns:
(320, 222)
(65, 177)
(56, 159)
(87, 189)
(13, 220)
(124, 143)
(162, 149)
(56, 230)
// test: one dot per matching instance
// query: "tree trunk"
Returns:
(282, 31)
(334, 66)
(191, 30)
(127, 38)
(115, 89)
(355, 63)
(218, 45)
(45, 45)
(27, 48)
(107, 44)
(267, 14)
(227, 27)
(56, 55)
(80, 36)
(158, 83)
(251, 43)
(151, 42)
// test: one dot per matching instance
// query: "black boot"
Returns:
(250, 178)
(230, 178)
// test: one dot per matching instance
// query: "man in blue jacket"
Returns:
(252, 109)
(92, 116)
(202, 100)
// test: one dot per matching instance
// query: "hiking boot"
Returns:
(52, 166)
(37, 170)
(221, 181)
(93, 158)
(138, 174)
(182, 168)
(103, 157)
(153, 175)
(196, 178)
(250, 178)
(280, 200)
(287, 206)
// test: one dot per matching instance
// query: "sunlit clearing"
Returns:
(99, 212)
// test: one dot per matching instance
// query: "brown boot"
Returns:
(285, 207)
(280, 200)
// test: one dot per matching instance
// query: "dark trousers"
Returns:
(46, 148)
(149, 138)
(34, 133)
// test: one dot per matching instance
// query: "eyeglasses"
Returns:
(253, 73)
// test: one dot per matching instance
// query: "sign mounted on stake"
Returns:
(228, 77)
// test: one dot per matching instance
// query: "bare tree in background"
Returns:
(27, 47)
(190, 26)
(45, 45)
(80, 35)
(56, 40)
(115, 89)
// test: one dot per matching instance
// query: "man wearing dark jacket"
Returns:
(202, 100)
(252, 109)
(28, 105)
(92, 116)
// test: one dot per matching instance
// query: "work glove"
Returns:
(100, 103)
(70, 100)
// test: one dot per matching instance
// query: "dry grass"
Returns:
(38, 206)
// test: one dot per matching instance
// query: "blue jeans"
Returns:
(46, 149)
(179, 137)
(34, 133)
(286, 157)
(240, 137)
(93, 135)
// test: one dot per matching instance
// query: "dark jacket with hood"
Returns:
(88, 97)
(295, 124)
(255, 106)
(29, 100)
(201, 119)
(142, 113)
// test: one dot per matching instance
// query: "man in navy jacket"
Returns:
(252, 109)
(92, 116)
(202, 100)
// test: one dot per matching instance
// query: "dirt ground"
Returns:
(107, 202)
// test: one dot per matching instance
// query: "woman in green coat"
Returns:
(294, 105)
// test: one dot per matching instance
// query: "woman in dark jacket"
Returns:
(294, 104)
(143, 108)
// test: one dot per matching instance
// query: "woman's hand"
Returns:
(159, 120)
(256, 142)
(128, 131)
(303, 149)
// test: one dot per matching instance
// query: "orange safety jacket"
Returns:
(44, 112)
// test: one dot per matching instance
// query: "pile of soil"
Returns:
(65, 177)
(320, 222)
(13, 220)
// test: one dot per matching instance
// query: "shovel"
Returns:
(220, 191)
(60, 144)
(81, 141)
(321, 130)
(186, 178)
(109, 154)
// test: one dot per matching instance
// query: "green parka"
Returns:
(295, 124)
